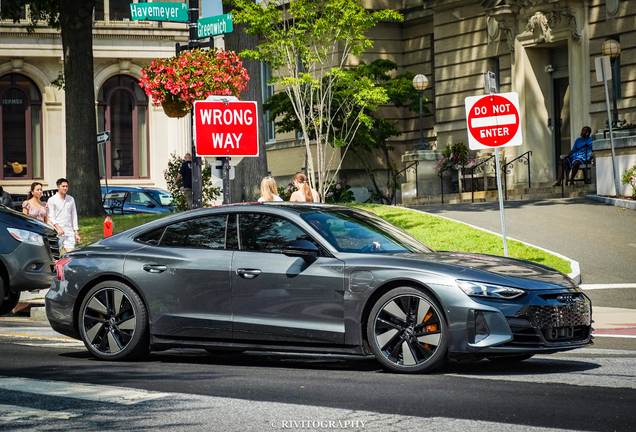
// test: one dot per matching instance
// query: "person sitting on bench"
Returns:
(581, 153)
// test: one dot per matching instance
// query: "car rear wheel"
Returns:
(8, 299)
(114, 322)
(407, 331)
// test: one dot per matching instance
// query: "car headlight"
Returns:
(26, 236)
(486, 290)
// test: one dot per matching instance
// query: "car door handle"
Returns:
(154, 268)
(248, 273)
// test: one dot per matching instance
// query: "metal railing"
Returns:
(507, 169)
(393, 180)
(472, 169)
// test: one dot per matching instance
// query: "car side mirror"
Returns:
(302, 249)
(149, 204)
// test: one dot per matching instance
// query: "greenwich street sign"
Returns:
(159, 11)
(213, 26)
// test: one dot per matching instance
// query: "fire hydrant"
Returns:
(108, 227)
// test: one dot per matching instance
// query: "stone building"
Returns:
(544, 50)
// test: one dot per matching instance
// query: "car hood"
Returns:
(21, 221)
(496, 269)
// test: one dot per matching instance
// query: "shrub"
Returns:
(170, 174)
(629, 177)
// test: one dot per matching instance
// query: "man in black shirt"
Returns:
(185, 174)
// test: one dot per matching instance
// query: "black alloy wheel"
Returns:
(407, 331)
(114, 322)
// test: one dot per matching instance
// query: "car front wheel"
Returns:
(114, 322)
(407, 331)
(8, 299)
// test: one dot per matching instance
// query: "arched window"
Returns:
(122, 108)
(20, 128)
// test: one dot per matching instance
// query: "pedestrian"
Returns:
(185, 174)
(33, 206)
(304, 193)
(269, 192)
(5, 198)
(581, 153)
(63, 216)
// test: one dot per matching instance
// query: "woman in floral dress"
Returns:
(33, 206)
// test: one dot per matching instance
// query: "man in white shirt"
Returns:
(63, 216)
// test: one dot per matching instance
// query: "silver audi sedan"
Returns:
(309, 278)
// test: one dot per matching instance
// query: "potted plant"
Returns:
(176, 82)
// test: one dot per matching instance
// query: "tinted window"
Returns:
(266, 233)
(360, 232)
(162, 197)
(138, 198)
(201, 233)
(152, 237)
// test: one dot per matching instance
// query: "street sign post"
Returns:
(102, 139)
(213, 26)
(493, 122)
(602, 67)
(159, 11)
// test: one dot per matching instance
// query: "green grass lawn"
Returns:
(437, 232)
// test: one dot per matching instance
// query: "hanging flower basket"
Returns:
(174, 108)
(193, 75)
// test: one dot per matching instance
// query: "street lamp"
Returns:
(420, 83)
(612, 49)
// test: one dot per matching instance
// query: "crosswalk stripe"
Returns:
(14, 412)
(92, 392)
(607, 286)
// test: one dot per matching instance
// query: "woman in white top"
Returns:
(268, 190)
(304, 193)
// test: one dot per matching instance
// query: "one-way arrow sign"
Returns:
(103, 137)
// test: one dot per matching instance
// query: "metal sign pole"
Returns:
(611, 131)
(501, 205)
(225, 172)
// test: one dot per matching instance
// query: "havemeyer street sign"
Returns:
(226, 130)
(213, 26)
(159, 11)
(493, 121)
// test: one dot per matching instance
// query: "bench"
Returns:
(114, 201)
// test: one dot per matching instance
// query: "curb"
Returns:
(616, 202)
(576, 270)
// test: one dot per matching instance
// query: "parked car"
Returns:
(309, 278)
(28, 251)
(141, 199)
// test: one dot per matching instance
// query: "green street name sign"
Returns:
(215, 25)
(159, 11)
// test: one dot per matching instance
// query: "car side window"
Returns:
(266, 233)
(200, 233)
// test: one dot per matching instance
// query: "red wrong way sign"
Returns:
(493, 121)
(226, 130)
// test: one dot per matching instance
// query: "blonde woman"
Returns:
(268, 190)
(33, 206)
(304, 192)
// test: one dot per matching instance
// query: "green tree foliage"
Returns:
(170, 174)
(370, 140)
(307, 43)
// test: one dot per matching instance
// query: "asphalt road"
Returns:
(602, 238)
(588, 389)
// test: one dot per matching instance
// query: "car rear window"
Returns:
(206, 232)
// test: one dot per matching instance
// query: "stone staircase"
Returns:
(517, 193)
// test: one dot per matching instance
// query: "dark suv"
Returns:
(28, 252)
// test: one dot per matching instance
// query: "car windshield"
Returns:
(358, 232)
(163, 197)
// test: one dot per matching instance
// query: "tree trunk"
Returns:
(76, 23)
(247, 182)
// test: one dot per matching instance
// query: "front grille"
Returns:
(553, 325)
(567, 315)
(54, 246)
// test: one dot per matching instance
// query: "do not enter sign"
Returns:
(493, 121)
